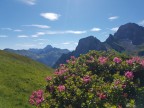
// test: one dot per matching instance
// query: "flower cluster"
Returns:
(102, 60)
(61, 88)
(129, 75)
(117, 60)
(36, 98)
(86, 79)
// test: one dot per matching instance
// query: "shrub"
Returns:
(95, 80)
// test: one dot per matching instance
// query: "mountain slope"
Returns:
(19, 76)
(48, 56)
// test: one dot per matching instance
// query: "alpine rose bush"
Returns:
(94, 80)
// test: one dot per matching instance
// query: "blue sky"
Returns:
(61, 23)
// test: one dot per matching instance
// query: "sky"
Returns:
(28, 24)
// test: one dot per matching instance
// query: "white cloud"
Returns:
(95, 29)
(41, 43)
(10, 29)
(75, 32)
(38, 26)
(29, 2)
(141, 23)
(58, 32)
(76, 43)
(113, 18)
(18, 30)
(66, 32)
(22, 36)
(40, 40)
(115, 29)
(3, 36)
(66, 43)
(50, 16)
(39, 34)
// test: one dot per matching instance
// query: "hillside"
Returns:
(19, 76)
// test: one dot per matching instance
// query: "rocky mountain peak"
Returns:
(48, 47)
(89, 43)
(131, 31)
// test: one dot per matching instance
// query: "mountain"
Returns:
(19, 76)
(84, 46)
(129, 39)
(48, 56)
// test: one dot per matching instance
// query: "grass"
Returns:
(19, 76)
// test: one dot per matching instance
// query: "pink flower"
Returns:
(119, 106)
(142, 63)
(86, 79)
(73, 57)
(129, 75)
(102, 60)
(124, 86)
(67, 61)
(36, 98)
(130, 61)
(102, 96)
(61, 88)
(60, 71)
(117, 60)
(117, 82)
(136, 59)
(48, 78)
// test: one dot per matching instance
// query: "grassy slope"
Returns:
(19, 76)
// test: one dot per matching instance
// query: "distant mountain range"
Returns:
(129, 38)
(48, 56)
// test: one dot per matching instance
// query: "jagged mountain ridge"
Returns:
(129, 38)
(48, 55)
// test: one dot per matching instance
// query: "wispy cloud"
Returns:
(114, 29)
(17, 30)
(10, 29)
(95, 29)
(70, 43)
(22, 36)
(38, 26)
(58, 32)
(113, 18)
(141, 23)
(75, 32)
(41, 43)
(66, 43)
(50, 16)
(26, 45)
(38, 34)
(40, 40)
(7, 29)
(3, 36)
(29, 2)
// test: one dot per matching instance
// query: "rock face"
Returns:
(89, 43)
(131, 31)
(48, 56)
(128, 38)
(84, 46)
(111, 43)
